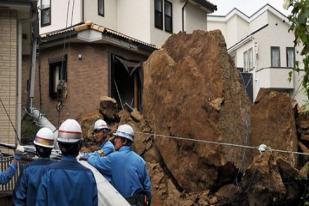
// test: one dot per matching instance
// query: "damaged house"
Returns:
(89, 49)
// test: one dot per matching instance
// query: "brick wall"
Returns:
(8, 73)
(87, 78)
(86, 81)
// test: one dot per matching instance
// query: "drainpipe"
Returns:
(19, 78)
(183, 15)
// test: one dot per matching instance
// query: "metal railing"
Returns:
(5, 161)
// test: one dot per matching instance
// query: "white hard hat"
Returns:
(44, 138)
(69, 132)
(125, 131)
(100, 124)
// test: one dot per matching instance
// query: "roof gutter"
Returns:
(183, 15)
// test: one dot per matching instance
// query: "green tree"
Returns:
(300, 27)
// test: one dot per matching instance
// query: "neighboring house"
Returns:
(90, 49)
(15, 38)
(261, 45)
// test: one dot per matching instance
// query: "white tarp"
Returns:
(107, 194)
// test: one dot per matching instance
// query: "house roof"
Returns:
(235, 11)
(74, 30)
(206, 4)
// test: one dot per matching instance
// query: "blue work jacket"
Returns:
(107, 147)
(127, 170)
(28, 182)
(6, 175)
(67, 183)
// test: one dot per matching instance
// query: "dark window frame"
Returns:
(271, 57)
(167, 17)
(290, 48)
(103, 4)
(43, 11)
(53, 63)
(158, 15)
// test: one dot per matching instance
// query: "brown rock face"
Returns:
(273, 123)
(192, 90)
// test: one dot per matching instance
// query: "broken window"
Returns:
(275, 56)
(57, 75)
(159, 14)
(126, 82)
(168, 16)
(45, 13)
(290, 57)
(101, 7)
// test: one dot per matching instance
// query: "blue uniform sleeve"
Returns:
(20, 191)
(108, 148)
(103, 164)
(41, 199)
(7, 174)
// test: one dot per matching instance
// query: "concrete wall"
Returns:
(8, 74)
(61, 14)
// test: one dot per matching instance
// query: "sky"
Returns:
(246, 6)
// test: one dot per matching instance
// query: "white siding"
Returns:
(61, 14)
(134, 19)
(258, 22)
(195, 19)
(110, 18)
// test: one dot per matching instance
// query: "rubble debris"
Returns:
(108, 108)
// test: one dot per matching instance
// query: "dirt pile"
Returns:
(273, 123)
(192, 90)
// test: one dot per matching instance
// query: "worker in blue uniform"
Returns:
(100, 131)
(6, 175)
(67, 182)
(127, 169)
(28, 182)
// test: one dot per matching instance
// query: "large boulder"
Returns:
(273, 123)
(193, 90)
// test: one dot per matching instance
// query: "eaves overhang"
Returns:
(206, 5)
(93, 33)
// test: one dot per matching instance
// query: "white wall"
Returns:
(110, 13)
(195, 19)
(258, 22)
(61, 15)
(213, 24)
(134, 19)
(275, 34)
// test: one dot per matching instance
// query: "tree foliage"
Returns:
(300, 27)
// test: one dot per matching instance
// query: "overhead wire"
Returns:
(222, 143)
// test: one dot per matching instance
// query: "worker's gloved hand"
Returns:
(20, 148)
(84, 156)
